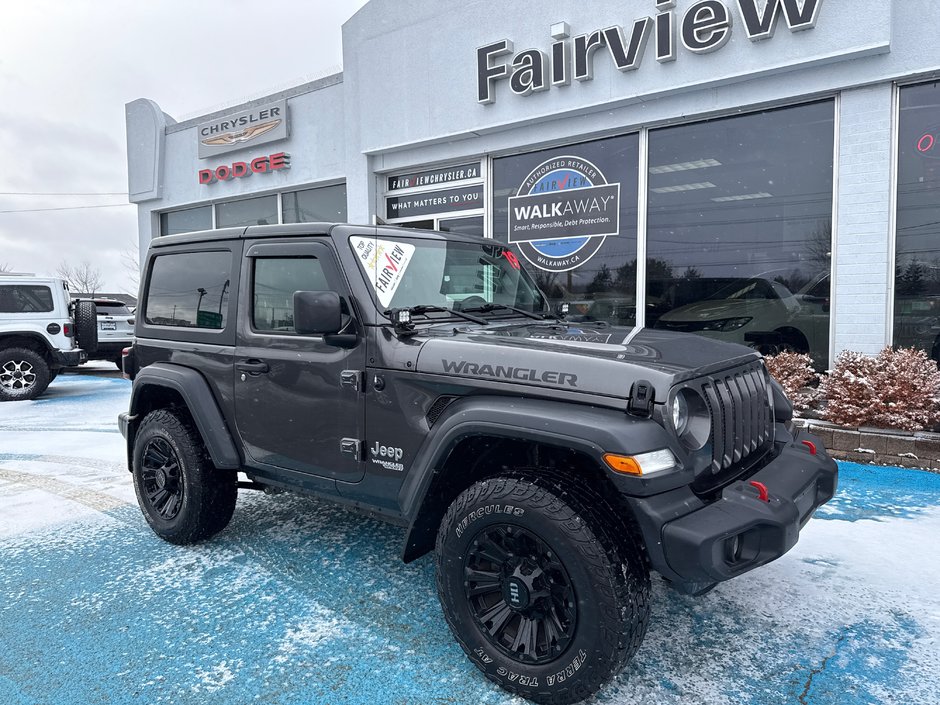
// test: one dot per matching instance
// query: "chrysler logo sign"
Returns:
(706, 26)
(248, 128)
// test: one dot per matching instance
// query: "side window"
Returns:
(273, 285)
(189, 290)
(25, 298)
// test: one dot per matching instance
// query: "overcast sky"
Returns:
(67, 68)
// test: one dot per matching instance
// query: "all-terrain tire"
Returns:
(86, 326)
(24, 374)
(593, 586)
(183, 496)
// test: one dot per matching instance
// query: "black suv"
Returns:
(421, 377)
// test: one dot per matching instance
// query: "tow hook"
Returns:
(761, 488)
(811, 446)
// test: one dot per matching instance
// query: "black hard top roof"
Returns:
(306, 230)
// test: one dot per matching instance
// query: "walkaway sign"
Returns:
(704, 27)
(563, 213)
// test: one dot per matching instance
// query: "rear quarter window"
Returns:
(25, 298)
(189, 290)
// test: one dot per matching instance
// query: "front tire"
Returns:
(24, 374)
(537, 590)
(183, 497)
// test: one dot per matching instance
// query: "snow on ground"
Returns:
(301, 602)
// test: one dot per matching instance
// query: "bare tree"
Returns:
(130, 261)
(5, 267)
(82, 278)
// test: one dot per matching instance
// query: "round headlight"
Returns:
(680, 413)
(691, 418)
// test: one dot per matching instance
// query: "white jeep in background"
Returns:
(115, 329)
(41, 331)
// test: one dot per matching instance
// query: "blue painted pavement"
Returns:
(300, 602)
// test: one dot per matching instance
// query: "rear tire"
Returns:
(86, 326)
(183, 496)
(24, 374)
(538, 591)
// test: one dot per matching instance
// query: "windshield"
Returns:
(750, 289)
(407, 272)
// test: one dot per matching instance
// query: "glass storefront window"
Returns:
(325, 204)
(472, 225)
(186, 221)
(740, 229)
(571, 213)
(261, 210)
(917, 266)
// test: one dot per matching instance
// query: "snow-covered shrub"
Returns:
(896, 389)
(795, 373)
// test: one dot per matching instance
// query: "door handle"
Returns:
(252, 367)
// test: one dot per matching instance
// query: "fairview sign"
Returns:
(706, 26)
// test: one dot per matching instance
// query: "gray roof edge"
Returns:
(317, 85)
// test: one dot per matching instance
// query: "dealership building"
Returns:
(766, 171)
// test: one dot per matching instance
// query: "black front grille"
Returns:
(742, 420)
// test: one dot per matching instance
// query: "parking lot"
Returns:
(301, 602)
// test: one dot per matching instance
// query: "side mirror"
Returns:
(317, 312)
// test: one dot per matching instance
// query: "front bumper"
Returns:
(696, 543)
(69, 358)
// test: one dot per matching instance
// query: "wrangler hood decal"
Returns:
(594, 360)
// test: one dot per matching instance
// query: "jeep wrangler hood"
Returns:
(573, 357)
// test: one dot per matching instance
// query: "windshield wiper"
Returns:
(487, 308)
(401, 317)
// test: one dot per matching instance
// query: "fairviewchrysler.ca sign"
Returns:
(704, 27)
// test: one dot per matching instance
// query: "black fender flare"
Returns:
(202, 406)
(590, 430)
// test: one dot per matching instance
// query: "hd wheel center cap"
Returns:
(516, 593)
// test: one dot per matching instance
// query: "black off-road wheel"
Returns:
(24, 374)
(538, 590)
(183, 496)
(86, 326)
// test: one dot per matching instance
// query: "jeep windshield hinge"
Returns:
(641, 399)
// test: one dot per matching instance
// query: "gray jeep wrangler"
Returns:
(421, 378)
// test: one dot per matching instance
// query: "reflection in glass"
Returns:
(25, 298)
(740, 229)
(189, 290)
(273, 287)
(917, 267)
(326, 204)
(472, 225)
(186, 221)
(248, 211)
